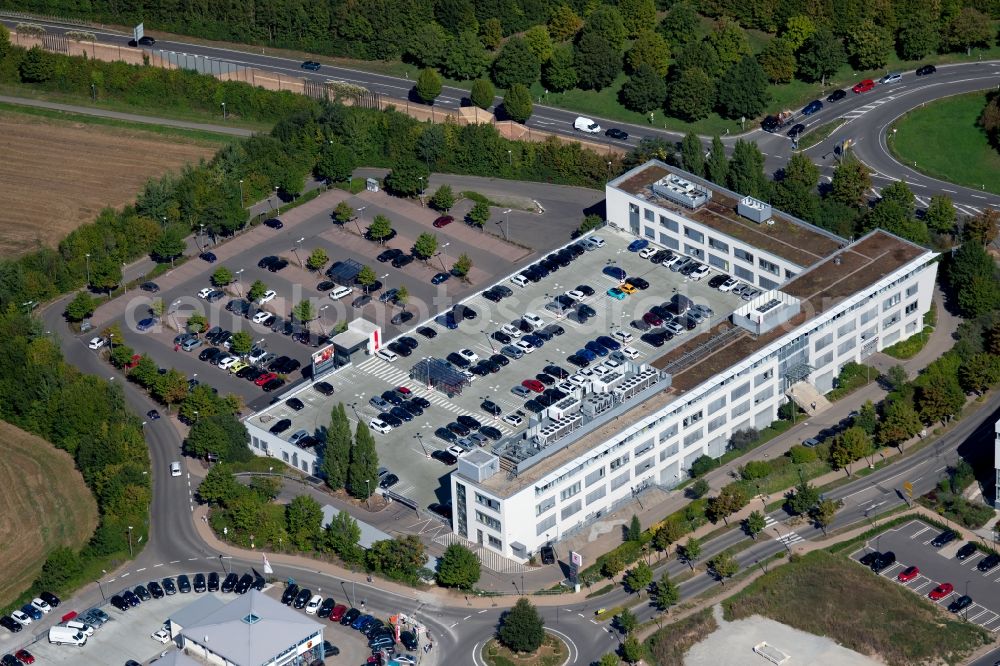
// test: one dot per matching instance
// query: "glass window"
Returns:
(694, 235)
(487, 520)
(716, 244)
(693, 437)
(743, 255)
(666, 240)
(767, 284)
(545, 525)
(763, 395)
(495, 542)
(911, 290)
(597, 494)
(740, 391)
(911, 308)
(846, 346)
(743, 274)
(695, 252)
(620, 480)
(769, 267)
(846, 328)
(545, 505)
(488, 502)
(594, 476)
(649, 232)
(569, 510)
(891, 301)
(649, 215)
(667, 223)
(824, 341)
(718, 421)
(570, 491)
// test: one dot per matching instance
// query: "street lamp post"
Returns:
(355, 218)
(242, 205)
(368, 493)
(101, 588)
(124, 281)
(239, 286)
(420, 440)
(320, 316)
(510, 157)
(295, 250)
(490, 341)
(88, 268)
(506, 220)
(276, 198)
(130, 541)
(223, 110)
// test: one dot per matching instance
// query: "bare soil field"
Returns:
(58, 174)
(46, 504)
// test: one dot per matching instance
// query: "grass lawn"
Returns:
(828, 595)
(668, 645)
(945, 142)
(552, 653)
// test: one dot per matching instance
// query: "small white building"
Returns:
(825, 302)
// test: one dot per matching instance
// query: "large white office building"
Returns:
(825, 301)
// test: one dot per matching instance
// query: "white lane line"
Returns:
(142, 569)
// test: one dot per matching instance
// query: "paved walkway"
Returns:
(131, 117)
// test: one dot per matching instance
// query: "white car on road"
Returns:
(97, 343)
(587, 125)
(267, 297)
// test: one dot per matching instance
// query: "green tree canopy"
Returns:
(462, 265)
(362, 471)
(821, 55)
(337, 450)
(380, 227)
(408, 178)
(240, 343)
(693, 154)
(425, 246)
(318, 258)
(803, 498)
(743, 90)
(221, 434)
(754, 524)
(607, 20)
(336, 162)
(692, 95)
(851, 180)
(482, 95)
(724, 566)
(869, 45)
(428, 44)
(681, 25)
(517, 103)
(563, 23)
(459, 567)
(638, 578)
(651, 49)
(480, 214)
(342, 536)
(730, 43)
(559, 73)
(597, 61)
(778, 61)
(516, 63)
(746, 171)
(645, 90)
(522, 628)
(304, 311)
(429, 85)
(219, 486)
(257, 289)
(465, 58)
(81, 307)
(304, 522)
(222, 276)
(666, 594)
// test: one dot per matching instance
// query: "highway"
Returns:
(867, 115)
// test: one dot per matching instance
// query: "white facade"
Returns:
(516, 515)
(996, 464)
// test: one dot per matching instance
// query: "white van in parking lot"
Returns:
(67, 636)
(340, 291)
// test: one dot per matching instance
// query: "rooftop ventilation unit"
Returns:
(754, 209)
(478, 465)
(556, 429)
(636, 384)
(565, 406)
(596, 404)
(682, 192)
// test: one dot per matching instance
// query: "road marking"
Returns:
(919, 533)
(142, 569)
(485, 610)
(174, 561)
(157, 565)
(947, 190)
(192, 559)
(466, 618)
(976, 196)
(125, 574)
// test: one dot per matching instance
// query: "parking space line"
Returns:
(919, 532)
(972, 618)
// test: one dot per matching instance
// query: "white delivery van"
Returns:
(586, 125)
(67, 636)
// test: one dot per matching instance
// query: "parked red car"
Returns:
(941, 591)
(443, 221)
(533, 385)
(908, 574)
(265, 378)
(24, 657)
(337, 613)
(652, 319)
(863, 86)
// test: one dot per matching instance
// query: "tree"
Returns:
(342, 536)
(919, 35)
(304, 520)
(170, 387)
(645, 90)
(754, 524)
(778, 61)
(724, 566)
(257, 289)
(649, 49)
(479, 214)
(626, 621)
(427, 44)
(821, 55)
(62, 566)
(563, 23)
(197, 323)
(637, 15)
(798, 29)
(443, 199)
(977, 374)
(634, 530)
(589, 223)
(169, 245)
(81, 307)
(362, 471)
(969, 28)
(606, 20)
(867, 418)
(692, 95)
(869, 45)
(366, 277)
(121, 355)
(609, 660)
(462, 265)
(899, 423)
(379, 228)
(717, 166)
(693, 154)
(559, 73)
(982, 228)
(219, 486)
(666, 592)
(459, 567)
(681, 25)
(743, 89)
(408, 178)
(429, 85)
(221, 434)
(851, 180)
(703, 464)
(612, 564)
(491, 33)
(105, 274)
(850, 445)
(746, 171)
(240, 343)
(425, 246)
(731, 499)
(222, 276)
(522, 628)
(698, 489)
(632, 650)
(343, 213)
(691, 551)
(803, 498)
(517, 103)
(402, 296)
(37, 66)
(267, 487)
(895, 378)
(638, 577)
(516, 63)
(539, 41)
(794, 191)
(824, 512)
(481, 95)
(336, 163)
(972, 275)
(337, 450)
(465, 58)
(304, 311)
(597, 61)
(317, 259)
(4, 42)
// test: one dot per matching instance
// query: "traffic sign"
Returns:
(908, 487)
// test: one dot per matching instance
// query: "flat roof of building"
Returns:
(820, 288)
(789, 238)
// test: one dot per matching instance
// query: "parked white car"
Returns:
(97, 343)
(511, 330)
(21, 617)
(533, 319)
(268, 296)
(576, 295)
(699, 272)
(205, 292)
(161, 636)
(261, 316)
(647, 252)
(728, 284)
(379, 426)
(38, 604)
(314, 603)
(228, 361)
(469, 355)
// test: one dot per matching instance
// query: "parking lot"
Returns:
(911, 544)
(406, 448)
(129, 635)
(292, 283)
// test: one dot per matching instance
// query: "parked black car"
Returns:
(183, 584)
(213, 582)
(118, 602)
(169, 587)
(199, 583)
(288, 596)
(944, 538)
(230, 582)
(884, 561)
(246, 580)
(155, 590)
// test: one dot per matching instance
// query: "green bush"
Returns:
(910, 347)
(852, 377)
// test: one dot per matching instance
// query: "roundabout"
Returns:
(553, 652)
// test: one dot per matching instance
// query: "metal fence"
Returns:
(202, 64)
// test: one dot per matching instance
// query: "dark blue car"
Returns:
(361, 619)
(439, 278)
(447, 320)
(615, 272)
(586, 354)
(812, 107)
(597, 348)
(535, 340)
(609, 342)
(145, 324)
(637, 244)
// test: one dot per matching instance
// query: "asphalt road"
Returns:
(869, 113)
